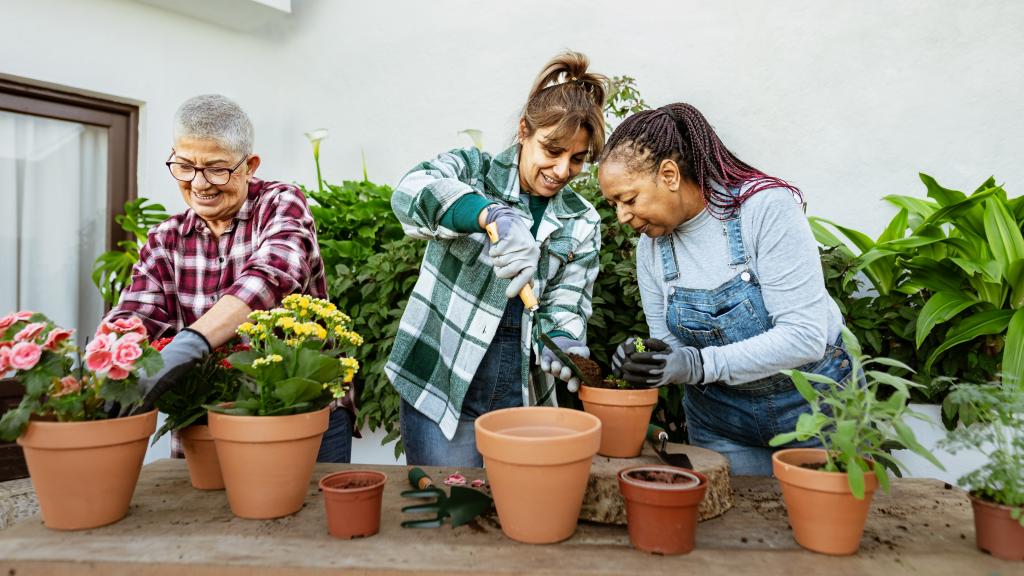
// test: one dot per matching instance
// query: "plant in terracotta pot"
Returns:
(268, 437)
(211, 381)
(828, 490)
(83, 458)
(662, 507)
(993, 417)
(623, 408)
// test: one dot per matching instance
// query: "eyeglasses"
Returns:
(215, 175)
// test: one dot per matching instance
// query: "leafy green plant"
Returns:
(853, 423)
(112, 270)
(993, 416)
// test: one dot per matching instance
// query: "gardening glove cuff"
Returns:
(179, 356)
(516, 253)
(550, 363)
(658, 368)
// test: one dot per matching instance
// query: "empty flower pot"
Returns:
(353, 502)
(624, 416)
(997, 532)
(538, 464)
(201, 457)
(662, 507)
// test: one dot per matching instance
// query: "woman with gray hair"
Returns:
(242, 244)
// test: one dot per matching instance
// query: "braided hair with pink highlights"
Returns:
(679, 132)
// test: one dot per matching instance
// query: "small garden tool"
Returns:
(461, 506)
(526, 292)
(659, 439)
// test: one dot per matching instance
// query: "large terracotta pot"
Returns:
(353, 501)
(84, 473)
(538, 463)
(201, 457)
(661, 507)
(824, 514)
(624, 416)
(996, 532)
(267, 461)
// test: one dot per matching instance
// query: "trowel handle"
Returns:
(655, 433)
(526, 293)
(419, 479)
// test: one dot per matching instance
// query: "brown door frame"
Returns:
(122, 124)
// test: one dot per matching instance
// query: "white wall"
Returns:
(848, 100)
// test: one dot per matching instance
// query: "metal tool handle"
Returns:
(656, 434)
(526, 293)
(419, 479)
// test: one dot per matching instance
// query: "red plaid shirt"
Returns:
(268, 251)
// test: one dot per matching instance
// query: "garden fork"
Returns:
(461, 506)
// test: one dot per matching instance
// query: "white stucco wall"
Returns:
(847, 99)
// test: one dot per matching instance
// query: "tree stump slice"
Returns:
(603, 503)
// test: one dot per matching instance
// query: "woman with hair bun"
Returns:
(464, 343)
(730, 280)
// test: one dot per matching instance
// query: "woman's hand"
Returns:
(552, 365)
(660, 365)
(516, 252)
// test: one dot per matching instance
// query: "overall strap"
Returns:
(733, 230)
(668, 257)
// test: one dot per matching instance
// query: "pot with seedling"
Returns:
(993, 417)
(827, 491)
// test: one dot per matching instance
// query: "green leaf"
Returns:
(151, 362)
(943, 196)
(1003, 233)
(906, 436)
(854, 477)
(803, 386)
(896, 229)
(1013, 350)
(883, 477)
(916, 206)
(941, 307)
(295, 390)
(980, 324)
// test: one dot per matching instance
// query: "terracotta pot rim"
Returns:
(819, 480)
(571, 444)
(238, 418)
(595, 426)
(988, 503)
(382, 479)
(45, 424)
(618, 397)
(268, 429)
(47, 435)
(701, 480)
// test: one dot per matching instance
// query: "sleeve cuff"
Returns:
(464, 214)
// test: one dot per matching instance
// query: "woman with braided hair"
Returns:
(464, 342)
(730, 280)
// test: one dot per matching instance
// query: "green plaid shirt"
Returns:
(457, 303)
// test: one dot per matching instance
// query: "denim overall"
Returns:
(739, 420)
(497, 384)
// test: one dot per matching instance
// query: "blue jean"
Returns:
(497, 384)
(336, 445)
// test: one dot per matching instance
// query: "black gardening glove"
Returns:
(187, 348)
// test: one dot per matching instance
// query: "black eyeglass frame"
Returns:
(197, 169)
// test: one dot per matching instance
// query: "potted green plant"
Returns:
(268, 437)
(993, 416)
(827, 491)
(211, 381)
(82, 449)
(624, 409)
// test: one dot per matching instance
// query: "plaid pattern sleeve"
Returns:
(457, 302)
(268, 251)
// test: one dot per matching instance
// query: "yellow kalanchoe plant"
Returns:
(299, 358)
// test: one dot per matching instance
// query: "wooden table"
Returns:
(922, 527)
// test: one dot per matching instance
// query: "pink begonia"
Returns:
(117, 373)
(133, 337)
(455, 479)
(29, 332)
(55, 337)
(24, 315)
(6, 322)
(98, 356)
(68, 385)
(125, 354)
(132, 324)
(25, 355)
(103, 342)
(5, 360)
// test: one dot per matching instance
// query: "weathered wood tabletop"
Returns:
(922, 527)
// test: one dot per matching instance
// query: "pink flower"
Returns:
(99, 361)
(5, 360)
(6, 322)
(68, 385)
(104, 342)
(24, 315)
(455, 479)
(25, 355)
(133, 338)
(477, 483)
(117, 373)
(55, 337)
(125, 354)
(30, 332)
(132, 324)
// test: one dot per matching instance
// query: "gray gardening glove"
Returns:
(552, 365)
(187, 348)
(516, 252)
(661, 365)
(626, 349)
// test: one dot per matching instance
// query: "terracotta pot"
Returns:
(267, 461)
(84, 473)
(824, 514)
(662, 513)
(538, 463)
(353, 501)
(996, 531)
(624, 416)
(201, 457)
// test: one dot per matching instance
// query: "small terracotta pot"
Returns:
(538, 464)
(662, 512)
(996, 531)
(84, 473)
(824, 514)
(267, 461)
(624, 416)
(353, 501)
(201, 457)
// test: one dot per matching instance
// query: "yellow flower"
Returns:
(269, 359)
(285, 322)
(247, 328)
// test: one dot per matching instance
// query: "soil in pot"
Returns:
(353, 502)
(662, 507)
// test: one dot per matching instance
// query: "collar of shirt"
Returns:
(194, 223)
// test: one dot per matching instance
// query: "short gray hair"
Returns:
(215, 117)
